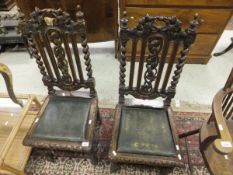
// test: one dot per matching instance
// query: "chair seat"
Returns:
(145, 131)
(216, 161)
(64, 118)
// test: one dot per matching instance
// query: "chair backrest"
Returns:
(52, 38)
(222, 110)
(157, 39)
(227, 102)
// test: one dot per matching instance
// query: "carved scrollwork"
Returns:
(170, 26)
(59, 52)
(51, 31)
(161, 34)
(155, 45)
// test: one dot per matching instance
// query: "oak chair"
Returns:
(67, 119)
(13, 155)
(216, 135)
(144, 134)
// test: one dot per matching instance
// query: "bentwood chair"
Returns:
(144, 134)
(216, 135)
(14, 124)
(67, 119)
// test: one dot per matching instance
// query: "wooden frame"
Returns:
(4, 166)
(142, 159)
(64, 145)
(47, 30)
(215, 136)
(157, 38)
(54, 32)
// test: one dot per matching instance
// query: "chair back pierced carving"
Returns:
(155, 38)
(52, 38)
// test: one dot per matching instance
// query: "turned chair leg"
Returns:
(114, 167)
(225, 50)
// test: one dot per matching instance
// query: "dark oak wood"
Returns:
(215, 15)
(47, 31)
(101, 15)
(155, 35)
(52, 38)
(157, 40)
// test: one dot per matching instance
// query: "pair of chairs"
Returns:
(67, 119)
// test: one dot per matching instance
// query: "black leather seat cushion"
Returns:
(145, 131)
(64, 118)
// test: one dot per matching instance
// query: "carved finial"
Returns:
(124, 21)
(78, 8)
(196, 21)
(21, 14)
(37, 9)
(79, 13)
(59, 11)
(191, 30)
(124, 14)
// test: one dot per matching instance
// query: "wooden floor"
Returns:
(18, 154)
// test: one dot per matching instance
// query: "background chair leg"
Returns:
(114, 167)
(52, 155)
(98, 118)
(225, 50)
(189, 133)
(94, 159)
(189, 161)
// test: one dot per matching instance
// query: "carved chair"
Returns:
(144, 134)
(67, 119)
(216, 135)
(13, 157)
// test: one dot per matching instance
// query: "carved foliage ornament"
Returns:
(59, 52)
(155, 45)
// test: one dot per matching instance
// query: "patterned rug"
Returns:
(65, 162)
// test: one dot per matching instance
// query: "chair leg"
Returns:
(189, 133)
(94, 154)
(98, 117)
(166, 171)
(52, 155)
(94, 159)
(189, 161)
(114, 167)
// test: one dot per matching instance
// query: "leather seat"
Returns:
(145, 131)
(64, 118)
